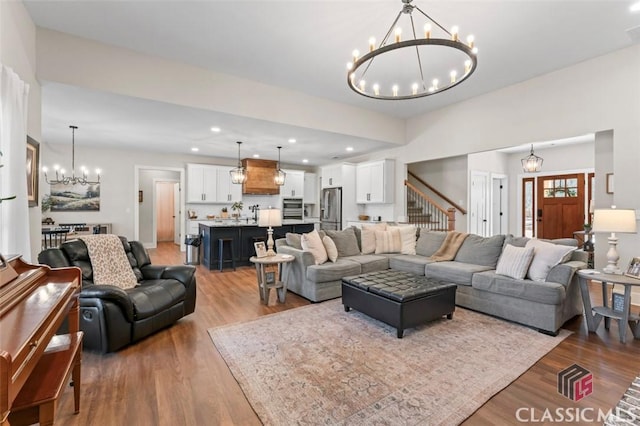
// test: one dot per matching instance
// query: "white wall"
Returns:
(18, 51)
(71, 60)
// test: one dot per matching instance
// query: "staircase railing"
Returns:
(424, 212)
(438, 193)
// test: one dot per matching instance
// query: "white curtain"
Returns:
(14, 214)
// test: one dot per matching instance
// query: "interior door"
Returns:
(560, 205)
(165, 219)
(478, 202)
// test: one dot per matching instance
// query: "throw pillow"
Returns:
(514, 261)
(313, 243)
(546, 256)
(388, 241)
(407, 239)
(368, 237)
(330, 247)
(345, 241)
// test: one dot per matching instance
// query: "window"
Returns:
(560, 188)
(528, 207)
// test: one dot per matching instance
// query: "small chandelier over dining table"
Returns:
(388, 72)
(73, 179)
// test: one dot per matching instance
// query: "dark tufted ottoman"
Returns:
(400, 299)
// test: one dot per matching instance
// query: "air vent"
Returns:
(634, 34)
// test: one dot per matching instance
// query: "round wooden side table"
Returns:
(272, 279)
(595, 314)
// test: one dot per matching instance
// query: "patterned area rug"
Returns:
(627, 412)
(320, 365)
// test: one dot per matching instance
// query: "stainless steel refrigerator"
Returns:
(331, 209)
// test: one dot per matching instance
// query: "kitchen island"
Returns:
(243, 235)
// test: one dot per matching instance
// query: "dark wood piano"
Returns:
(35, 363)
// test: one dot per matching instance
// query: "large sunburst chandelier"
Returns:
(403, 69)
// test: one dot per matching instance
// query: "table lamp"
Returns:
(269, 218)
(614, 220)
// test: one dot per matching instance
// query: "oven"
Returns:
(292, 209)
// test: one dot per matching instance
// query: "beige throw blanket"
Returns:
(449, 247)
(109, 261)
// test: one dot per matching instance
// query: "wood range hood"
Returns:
(260, 177)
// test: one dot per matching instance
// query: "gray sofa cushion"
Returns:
(454, 271)
(409, 263)
(429, 242)
(346, 242)
(293, 240)
(535, 291)
(477, 250)
(370, 262)
(332, 271)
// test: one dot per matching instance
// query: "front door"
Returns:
(560, 205)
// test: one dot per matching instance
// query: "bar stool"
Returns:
(222, 242)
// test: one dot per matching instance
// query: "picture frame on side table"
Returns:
(633, 270)
(261, 249)
(33, 161)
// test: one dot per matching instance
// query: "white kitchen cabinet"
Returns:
(310, 188)
(374, 182)
(227, 191)
(331, 176)
(293, 184)
(201, 183)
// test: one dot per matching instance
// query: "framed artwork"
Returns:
(609, 183)
(633, 270)
(261, 250)
(75, 198)
(33, 178)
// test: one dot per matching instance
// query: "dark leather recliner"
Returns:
(112, 318)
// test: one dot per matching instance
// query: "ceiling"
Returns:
(303, 46)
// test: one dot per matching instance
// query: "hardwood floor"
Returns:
(177, 377)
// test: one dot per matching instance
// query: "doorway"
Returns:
(499, 204)
(560, 201)
(146, 212)
(167, 205)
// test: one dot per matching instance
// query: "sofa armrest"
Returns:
(182, 273)
(303, 258)
(112, 293)
(563, 273)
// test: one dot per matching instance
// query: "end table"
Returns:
(278, 280)
(595, 314)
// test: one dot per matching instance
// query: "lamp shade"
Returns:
(270, 218)
(614, 220)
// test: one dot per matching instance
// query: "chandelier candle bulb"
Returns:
(355, 54)
(394, 89)
(362, 85)
(453, 75)
(470, 40)
(435, 83)
(398, 33)
(454, 33)
(372, 44)
(474, 50)
(427, 30)
(467, 66)
(414, 88)
(376, 89)
(349, 66)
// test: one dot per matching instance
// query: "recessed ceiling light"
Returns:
(292, 140)
(256, 155)
(194, 149)
(635, 7)
(304, 160)
(215, 129)
(349, 148)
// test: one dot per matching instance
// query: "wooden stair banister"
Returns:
(438, 193)
(446, 217)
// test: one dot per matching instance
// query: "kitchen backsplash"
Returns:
(264, 201)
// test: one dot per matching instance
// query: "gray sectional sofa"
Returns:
(541, 305)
